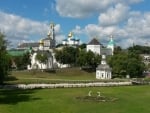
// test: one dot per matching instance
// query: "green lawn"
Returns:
(131, 99)
(45, 77)
(61, 75)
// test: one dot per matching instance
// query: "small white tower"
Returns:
(103, 71)
(51, 35)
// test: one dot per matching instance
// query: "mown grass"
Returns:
(73, 75)
(131, 99)
(47, 77)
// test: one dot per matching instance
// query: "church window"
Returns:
(102, 75)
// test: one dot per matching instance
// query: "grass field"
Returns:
(45, 77)
(131, 99)
(61, 75)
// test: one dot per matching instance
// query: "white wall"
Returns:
(94, 48)
(35, 64)
(103, 74)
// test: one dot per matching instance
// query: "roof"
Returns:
(23, 45)
(111, 42)
(65, 40)
(73, 39)
(17, 52)
(103, 67)
(94, 42)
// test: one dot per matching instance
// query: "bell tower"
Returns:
(51, 35)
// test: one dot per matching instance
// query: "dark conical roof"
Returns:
(94, 42)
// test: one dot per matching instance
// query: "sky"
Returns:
(128, 21)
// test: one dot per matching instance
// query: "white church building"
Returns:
(103, 71)
(98, 48)
(45, 47)
(71, 40)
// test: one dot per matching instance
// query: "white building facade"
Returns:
(103, 71)
(45, 47)
(98, 48)
(71, 40)
(94, 46)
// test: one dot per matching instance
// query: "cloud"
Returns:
(114, 16)
(59, 35)
(138, 27)
(86, 8)
(17, 28)
(80, 8)
(135, 30)
(77, 30)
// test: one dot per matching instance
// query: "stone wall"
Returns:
(65, 85)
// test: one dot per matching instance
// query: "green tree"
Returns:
(139, 49)
(117, 50)
(118, 62)
(42, 58)
(68, 55)
(88, 59)
(22, 61)
(82, 46)
(135, 68)
(81, 60)
(4, 58)
(125, 63)
(59, 56)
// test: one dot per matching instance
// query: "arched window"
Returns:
(102, 76)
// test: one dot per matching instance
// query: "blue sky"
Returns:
(28, 20)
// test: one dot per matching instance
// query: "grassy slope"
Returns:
(61, 74)
(131, 99)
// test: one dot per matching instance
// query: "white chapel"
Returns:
(103, 71)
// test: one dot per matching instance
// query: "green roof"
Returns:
(111, 42)
(17, 52)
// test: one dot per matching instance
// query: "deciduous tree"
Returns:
(4, 58)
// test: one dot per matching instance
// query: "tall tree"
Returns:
(88, 59)
(125, 63)
(135, 67)
(22, 61)
(139, 49)
(68, 55)
(4, 58)
(81, 60)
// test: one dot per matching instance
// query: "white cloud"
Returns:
(59, 34)
(80, 8)
(85, 8)
(138, 27)
(135, 30)
(17, 28)
(114, 16)
(130, 1)
(77, 30)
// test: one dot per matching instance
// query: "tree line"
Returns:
(76, 56)
(123, 62)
